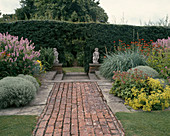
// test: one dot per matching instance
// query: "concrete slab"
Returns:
(10, 111)
(117, 107)
(31, 110)
(58, 77)
(104, 83)
(92, 76)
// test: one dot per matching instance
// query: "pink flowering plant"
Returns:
(16, 56)
(159, 60)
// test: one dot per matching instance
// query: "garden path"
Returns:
(77, 108)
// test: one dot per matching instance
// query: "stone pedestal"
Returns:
(93, 67)
(58, 68)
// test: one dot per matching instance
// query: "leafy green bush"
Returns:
(69, 59)
(122, 61)
(17, 56)
(146, 70)
(16, 91)
(147, 94)
(80, 59)
(31, 79)
(47, 57)
(159, 60)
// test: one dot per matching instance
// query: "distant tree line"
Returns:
(63, 10)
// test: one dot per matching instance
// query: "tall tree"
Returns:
(26, 10)
(68, 10)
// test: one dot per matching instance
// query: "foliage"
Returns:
(16, 91)
(47, 57)
(160, 62)
(146, 93)
(69, 59)
(62, 35)
(142, 46)
(80, 58)
(157, 99)
(15, 125)
(74, 10)
(164, 43)
(121, 61)
(145, 123)
(38, 68)
(146, 70)
(31, 79)
(26, 10)
(16, 57)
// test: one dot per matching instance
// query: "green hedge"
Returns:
(80, 37)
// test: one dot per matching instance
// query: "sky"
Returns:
(132, 12)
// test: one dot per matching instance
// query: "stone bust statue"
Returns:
(55, 56)
(96, 56)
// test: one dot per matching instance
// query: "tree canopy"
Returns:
(64, 10)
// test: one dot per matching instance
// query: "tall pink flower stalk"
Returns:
(17, 56)
(164, 43)
(12, 48)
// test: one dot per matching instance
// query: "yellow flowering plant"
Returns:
(147, 94)
(39, 68)
(157, 99)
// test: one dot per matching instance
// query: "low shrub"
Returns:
(31, 79)
(147, 93)
(47, 57)
(122, 61)
(146, 70)
(16, 91)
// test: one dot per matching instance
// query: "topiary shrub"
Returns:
(122, 61)
(146, 70)
(16, 91)
(31, 79)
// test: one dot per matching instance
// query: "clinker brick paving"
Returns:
(77, 108)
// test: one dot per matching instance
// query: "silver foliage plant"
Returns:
(121, 61)
(16, 92)
(31, 79)
(145, 70)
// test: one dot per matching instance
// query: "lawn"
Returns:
(17, 125)
(145, 123)
(73, 69)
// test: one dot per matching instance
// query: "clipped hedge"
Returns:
(80, 37)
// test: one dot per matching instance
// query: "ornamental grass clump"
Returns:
(16, 92)
(121, 61)
(141, 92)
(16, 56)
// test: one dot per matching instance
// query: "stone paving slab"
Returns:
(77, 108)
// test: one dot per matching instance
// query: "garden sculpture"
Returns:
(96, 56)
(55, 56)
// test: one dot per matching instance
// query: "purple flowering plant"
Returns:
(16, 56)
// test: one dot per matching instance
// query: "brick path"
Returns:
(77, 109)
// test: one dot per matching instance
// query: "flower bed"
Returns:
(139, 87)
